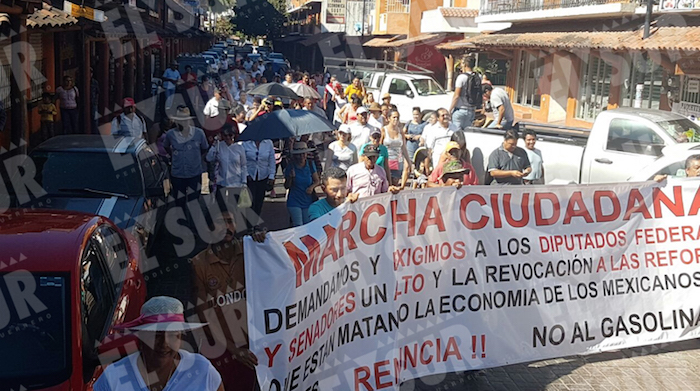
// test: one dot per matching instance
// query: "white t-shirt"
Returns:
(194, 372)
(211, 109)
(535, 157)
(436, 138)
(343, 157)
(377, 123)
(500, 98)
(359, 134)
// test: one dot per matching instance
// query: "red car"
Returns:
(66, 279)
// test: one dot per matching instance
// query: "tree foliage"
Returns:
(223, 28)
(256, 18)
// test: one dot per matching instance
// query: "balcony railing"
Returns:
(397, 6)
(492, 7)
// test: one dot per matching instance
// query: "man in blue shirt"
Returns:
(333, 182)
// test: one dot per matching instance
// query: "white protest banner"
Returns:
(396, 287)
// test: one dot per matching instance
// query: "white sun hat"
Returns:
(161, 313)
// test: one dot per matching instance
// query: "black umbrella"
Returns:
(274, 89)
(284, 124)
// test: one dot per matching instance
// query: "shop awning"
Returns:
(399, 41)
(662, 39)
(48, 17)
(305, 5)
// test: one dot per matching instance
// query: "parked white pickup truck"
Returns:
(621, 143)
(409, 85)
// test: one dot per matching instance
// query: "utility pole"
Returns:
(362, 28)
(647, 19)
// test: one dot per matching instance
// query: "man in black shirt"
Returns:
(508, 164)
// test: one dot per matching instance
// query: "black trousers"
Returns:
(257, 192)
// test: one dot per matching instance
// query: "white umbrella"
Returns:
(305, 91)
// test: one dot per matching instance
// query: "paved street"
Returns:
(673, 367)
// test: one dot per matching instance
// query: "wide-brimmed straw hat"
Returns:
(300, 147)
(161, 313)
(182, 114)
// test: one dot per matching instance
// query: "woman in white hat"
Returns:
(160, 363)
(301, 179)
(341, 153)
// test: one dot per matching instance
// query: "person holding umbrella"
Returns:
(159, 362)
(301, 179)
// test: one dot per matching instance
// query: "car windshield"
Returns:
(426, 87)
(34, 336)
(58, 172)
(682, 130)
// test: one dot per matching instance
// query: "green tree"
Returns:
(223, 28)
(256, 18)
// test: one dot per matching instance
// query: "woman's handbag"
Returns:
(245, 199)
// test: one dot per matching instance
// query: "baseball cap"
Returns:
(375, 132)
(344, 129)
(128, 102)
(451, 145)
(362, 110)
(370, 150)
(452, 167)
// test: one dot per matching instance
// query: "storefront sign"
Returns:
(396, 287)
(687, 109)
(336, 11)
(83, 12)
(693, 86)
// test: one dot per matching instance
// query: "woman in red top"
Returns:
(349, 112)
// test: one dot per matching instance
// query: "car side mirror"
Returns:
(409, 94)
(654, 150)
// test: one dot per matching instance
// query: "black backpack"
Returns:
(472, 91)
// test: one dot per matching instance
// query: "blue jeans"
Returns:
(299, 216)
(463, 117)
(506, 124)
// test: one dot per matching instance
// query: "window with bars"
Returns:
(530, 70)
(595, 77)
(691, 90)
(642, 71)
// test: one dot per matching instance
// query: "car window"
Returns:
(148, 161)
(632, 137)
(96, 293)
(426, 87)
(113, 249)
(676, 170)
(60, 171)
(398, 86)
(682, 130)
(380, 81)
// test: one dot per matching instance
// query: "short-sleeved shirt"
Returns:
(170, 74)
(469, 178)
(49, 110)
(297, 197)
(319, 208)
(366, 182)
(500, 98)
(351, 89)
(194, 372)
(359, 134)
(536, 162)
(68, 98)
(436, 138)
(500, 159)
(186, 151)
(219, 282)
(343, 157)
(461, 82)
(383, 154)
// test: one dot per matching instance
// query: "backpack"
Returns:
(472, 92)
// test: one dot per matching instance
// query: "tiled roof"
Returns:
(455, 12)
(49, 16)
(662, 38)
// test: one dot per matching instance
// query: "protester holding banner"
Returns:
(536, 177)
(334, 184)
(453, 174)
(366, 178)
(453, 152)
(219, 283)
(508, 164)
